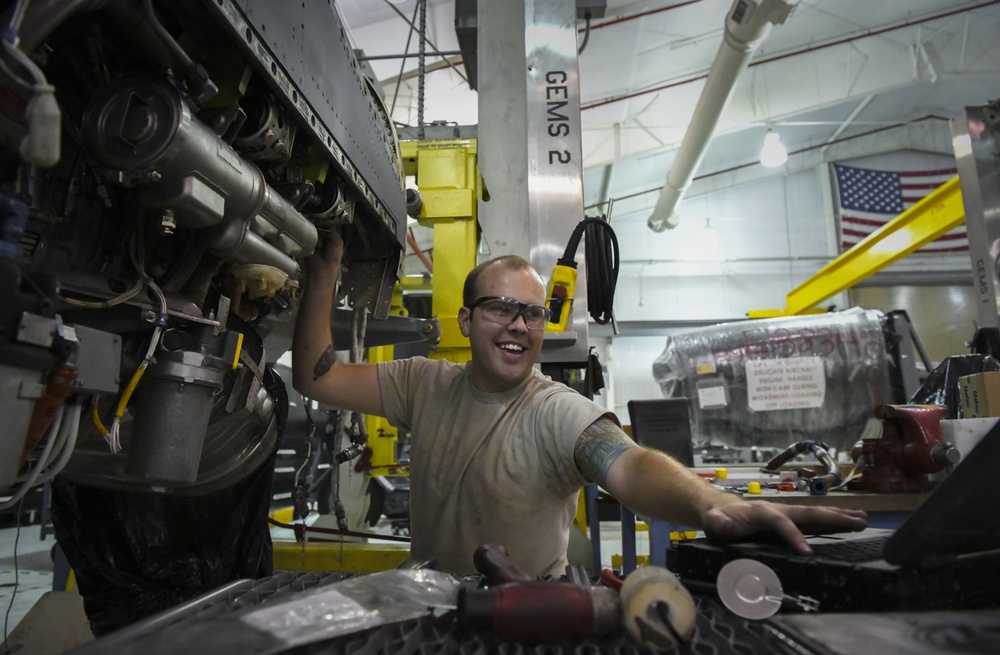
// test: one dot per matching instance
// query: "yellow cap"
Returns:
(753, 488)
(721, 474)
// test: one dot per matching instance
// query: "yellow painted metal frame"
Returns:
(283, 515)
(936, 214)
(449, 181)
(382, 436)
(333, 556)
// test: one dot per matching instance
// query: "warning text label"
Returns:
(793, 383)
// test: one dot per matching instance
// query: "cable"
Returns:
(358, 432)
(11, 33)
(402, 64)
(117, 300)
(586, 35)
(95, 416)
(603, 263)
(986, 341)
(61, 437)
(17, 581)
(113, 437)
(27, 64)
(29, 480)
(61, 445)
(71, 425)
(338, 505)
(421, 69)
(300, 500)
(138, 256)
(412, 240)
(602, 269)
(819, 484)
(429, 42)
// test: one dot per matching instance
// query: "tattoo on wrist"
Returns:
(324, 363)
(599, 447)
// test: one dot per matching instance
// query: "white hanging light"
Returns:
(708, 242)
(773, 154)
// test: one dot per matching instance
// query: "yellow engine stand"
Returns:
(449, 182)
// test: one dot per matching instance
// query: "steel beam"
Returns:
(979, 169)
(936, 214)
(531, 146)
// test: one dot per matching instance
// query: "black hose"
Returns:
(586, 35)
(602, 266)
(819, 484)
(986, 341)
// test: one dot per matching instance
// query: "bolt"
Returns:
(167, 222)
(149, 316)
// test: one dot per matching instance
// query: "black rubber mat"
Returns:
(182, 629)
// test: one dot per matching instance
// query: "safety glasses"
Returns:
(504, 311)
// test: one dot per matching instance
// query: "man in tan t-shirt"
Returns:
(499, 452)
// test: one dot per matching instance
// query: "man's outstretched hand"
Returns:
(741, 520)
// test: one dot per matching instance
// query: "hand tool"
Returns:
(653, 605)
(520, 607)
(659, 611)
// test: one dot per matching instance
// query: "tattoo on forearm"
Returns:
(599, 447)
(324, 363)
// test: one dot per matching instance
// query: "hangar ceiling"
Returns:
(839, 79)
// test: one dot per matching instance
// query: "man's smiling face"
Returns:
(502, 355)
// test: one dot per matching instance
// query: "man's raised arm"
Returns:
(316, 373)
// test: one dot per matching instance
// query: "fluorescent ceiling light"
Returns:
(773, 153)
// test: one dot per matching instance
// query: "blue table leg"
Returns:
(628, 541)
(593, 524)
(659, 540)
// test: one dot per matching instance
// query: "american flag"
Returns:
(867, 200)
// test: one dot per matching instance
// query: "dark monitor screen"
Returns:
(663, 424)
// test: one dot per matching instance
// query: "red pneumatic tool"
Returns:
(520, 607)
(659, 613)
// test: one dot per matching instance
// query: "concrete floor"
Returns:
(23, 584)
(26, 574)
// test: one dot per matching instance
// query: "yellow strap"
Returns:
(239, 349)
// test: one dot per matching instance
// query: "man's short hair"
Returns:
(512, 262)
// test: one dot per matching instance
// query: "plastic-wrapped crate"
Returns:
(773, 382)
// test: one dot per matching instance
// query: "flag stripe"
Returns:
(941, 172)
(864, 221)
(868, 199)
(929, 186)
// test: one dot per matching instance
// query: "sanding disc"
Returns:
(749, 589)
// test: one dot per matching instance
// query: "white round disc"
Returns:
(749, 589)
